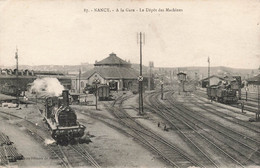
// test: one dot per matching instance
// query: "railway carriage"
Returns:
(10, 90)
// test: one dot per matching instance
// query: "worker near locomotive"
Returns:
(61, 120)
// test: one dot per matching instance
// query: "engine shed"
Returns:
(112, 71)
(213, 80)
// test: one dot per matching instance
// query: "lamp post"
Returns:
(246, 92)
(17, 76)
(258, 104)
(96, 81)
(79, 79)
(161, 89)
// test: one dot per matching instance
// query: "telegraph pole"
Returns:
(79, 78)
(140, 79)
(209, 70)
(17, 81)
(149, 79)
(258, 103)
(96, 96)
(150, 75)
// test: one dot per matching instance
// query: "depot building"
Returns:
(113, 71)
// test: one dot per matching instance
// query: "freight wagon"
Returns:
(103, 92)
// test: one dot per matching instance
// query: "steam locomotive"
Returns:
(62, 119)
(228, 90)
(222, 94)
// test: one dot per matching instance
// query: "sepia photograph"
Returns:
(129, 84)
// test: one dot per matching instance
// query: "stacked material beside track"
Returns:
(8, 153)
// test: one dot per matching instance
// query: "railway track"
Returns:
(253, 97)
(78, 156)
(38, 135)
(191, 134)
(246, 148)
(169, 152)
(255, 143)
(215, 110)
(57, 151)
(252, 107)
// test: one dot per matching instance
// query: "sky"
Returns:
(54, 32)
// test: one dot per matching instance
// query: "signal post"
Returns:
(140, 78)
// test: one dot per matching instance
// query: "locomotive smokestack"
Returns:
(65, 95)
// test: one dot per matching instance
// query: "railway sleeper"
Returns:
(4, 139)
(12, 154)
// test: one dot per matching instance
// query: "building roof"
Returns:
(112, 72)
(229, 78)
(181, 73)
(254, 80)
(4, 97)
(48, 73)
(112, 60)
(205, 79)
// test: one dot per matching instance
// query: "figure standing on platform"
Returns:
(242, 106)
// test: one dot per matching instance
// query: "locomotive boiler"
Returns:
(62, 119)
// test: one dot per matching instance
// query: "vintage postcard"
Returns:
(135, 83)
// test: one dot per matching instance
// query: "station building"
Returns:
(113, 71)
(11, 79)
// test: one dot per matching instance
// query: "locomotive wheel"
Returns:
(63, 140)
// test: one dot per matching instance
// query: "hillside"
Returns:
(201, 72)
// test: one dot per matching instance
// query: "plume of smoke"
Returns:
(49, 141)
(50, 86)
